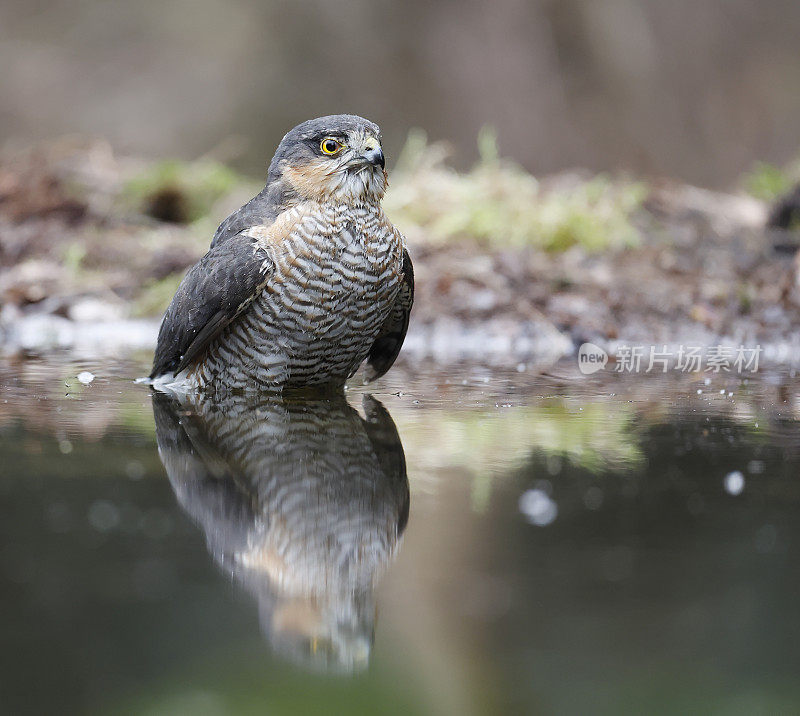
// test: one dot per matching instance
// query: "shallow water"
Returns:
(522, 542)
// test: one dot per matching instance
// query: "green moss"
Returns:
(180, 191)
(745, 295)
(156, 295)
(73, 256)
(497, 203)
(768, 182)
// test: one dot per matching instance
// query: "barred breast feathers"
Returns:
(283, 253)
(214, 293)
(311, 222)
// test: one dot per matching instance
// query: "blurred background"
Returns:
(695, 91)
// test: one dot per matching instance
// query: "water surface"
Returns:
(453, 542)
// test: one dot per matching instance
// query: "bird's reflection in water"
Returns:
(302, 501)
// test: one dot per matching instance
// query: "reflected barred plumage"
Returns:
(304, 282)
(303, 502)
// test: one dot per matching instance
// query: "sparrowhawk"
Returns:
(302, 283)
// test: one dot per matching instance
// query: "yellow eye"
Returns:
(330, 146)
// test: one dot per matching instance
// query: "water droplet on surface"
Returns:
(734, 483)
(103, 515)
(593, 498)
(537, 507)
(755, 467)
(553, 464)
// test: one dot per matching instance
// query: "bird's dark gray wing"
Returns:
(262, 209)
(206, 485)
(385, 349)
(214, 292)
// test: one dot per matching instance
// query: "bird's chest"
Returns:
(338, 272)
(351, 258)
(363, 261)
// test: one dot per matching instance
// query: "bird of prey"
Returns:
(302, 283)
(302, 501)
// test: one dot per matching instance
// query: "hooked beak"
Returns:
(373, 154)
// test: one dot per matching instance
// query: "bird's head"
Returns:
(335, 158)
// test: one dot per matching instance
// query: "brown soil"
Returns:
(706, 267)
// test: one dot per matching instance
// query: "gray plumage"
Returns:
(304, 282)
(215, 292)
(303, 502)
